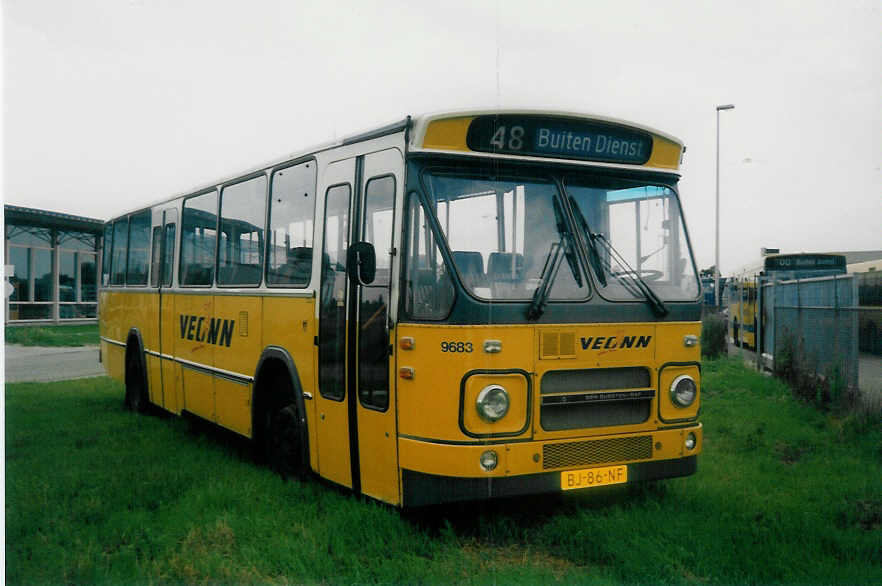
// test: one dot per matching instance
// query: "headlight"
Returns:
(492, 403)
(488, 460)
(683, 390)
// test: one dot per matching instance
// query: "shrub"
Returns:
(713, 335)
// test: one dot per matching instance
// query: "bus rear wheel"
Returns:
(136, 384)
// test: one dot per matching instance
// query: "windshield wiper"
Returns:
(567, 237)
(655, 303)
(567, 246)
(593, 255)
(549, 272)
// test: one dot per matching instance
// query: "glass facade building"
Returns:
(52, 262)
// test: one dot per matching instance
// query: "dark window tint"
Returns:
(240, 255)
(120, 248)
(168, 258)
(332, 312)
(198, 239)
(19, 257)
(139, 242)
(44, 289)
(428, 288)
(379, 213)
(107, 251)
(88, 283)
(292, 209)
(373, 335)
(67, 276)
(155, 257)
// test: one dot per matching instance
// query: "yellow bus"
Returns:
(745, 290)
(454, 307)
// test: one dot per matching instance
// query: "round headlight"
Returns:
(683, 390)
(492, 403)
(489, 459)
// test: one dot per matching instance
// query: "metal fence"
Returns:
(870, 313)
(814, 323)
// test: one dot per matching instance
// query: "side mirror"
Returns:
(362, 262)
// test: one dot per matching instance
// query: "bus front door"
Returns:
(355, 403)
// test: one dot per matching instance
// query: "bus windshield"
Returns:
(638, 233)
(502, 233)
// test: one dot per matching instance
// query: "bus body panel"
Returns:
(194, 312)
(109, 330)
(171, 379)
(237, 353)
(289, 323)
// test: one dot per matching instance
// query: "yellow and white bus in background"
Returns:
(456, 306)
(745, 293)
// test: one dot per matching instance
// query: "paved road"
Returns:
(42, 364)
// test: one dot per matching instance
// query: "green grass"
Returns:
(95, 494)
(82, 335)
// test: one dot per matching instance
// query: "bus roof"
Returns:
(665, 151)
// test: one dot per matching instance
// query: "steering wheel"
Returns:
(645, 274)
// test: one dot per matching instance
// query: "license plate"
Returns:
(589, 477)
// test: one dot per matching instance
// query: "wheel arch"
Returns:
(273, 359)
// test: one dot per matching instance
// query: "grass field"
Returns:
(83, 335)
(95, 494)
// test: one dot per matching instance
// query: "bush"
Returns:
(713, 335)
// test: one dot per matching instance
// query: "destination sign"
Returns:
(567, 138)
(806, 261)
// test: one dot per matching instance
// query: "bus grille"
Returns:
(618, 449)
(557, 345)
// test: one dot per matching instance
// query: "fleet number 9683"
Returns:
(457, 347)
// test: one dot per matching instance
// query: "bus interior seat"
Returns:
(196, 274)
(471, 267)
(499, 266)
(298, 265)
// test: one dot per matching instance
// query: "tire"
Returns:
(281, 436)
(136, 384)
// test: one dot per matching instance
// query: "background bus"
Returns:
(452, 307)
(745, 290)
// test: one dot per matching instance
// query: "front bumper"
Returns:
(419, 489)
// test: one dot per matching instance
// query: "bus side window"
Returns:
(378, 219)
(120, 251)
(139, 242)
(106, 254)
(292, 210)
(154, 257)
(429, 290)
(169, 257)
(240, 255)
(198, 239)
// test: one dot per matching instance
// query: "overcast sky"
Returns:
(109, 105)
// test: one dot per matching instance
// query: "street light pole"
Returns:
(717, 296)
